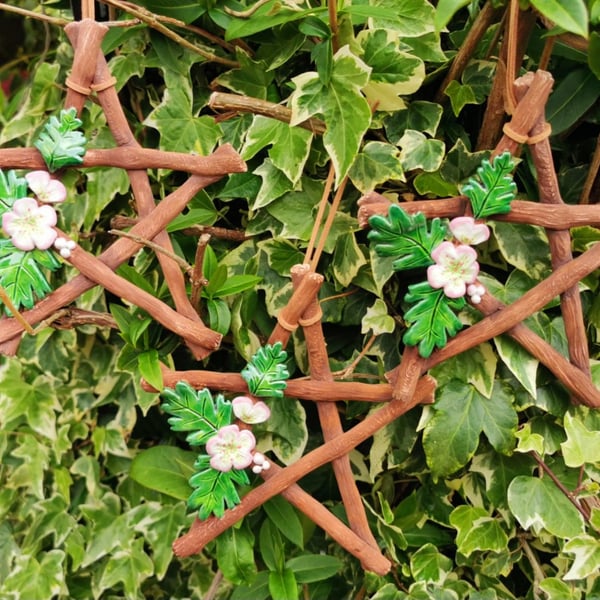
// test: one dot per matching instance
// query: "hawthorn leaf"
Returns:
(538, 504)
(60, 143)
(582, 445)
(375, 164)
(340, 102)
(431, 319)
(12, 188)
(494, 189)
(22, 274)
(420, 152)
(587, 557)
(406, 237)
(266, 373)
(195, 411)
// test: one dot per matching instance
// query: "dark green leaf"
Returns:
(11, 188)
(406, 236)
(431, 319)
(22, 274)
(195, 411)
(494, 189)
(271, 546)
(570, 15)
(266, 372)
(60, 143)
(235, 555)
(219, 315)
(282, 514)
(314, 567)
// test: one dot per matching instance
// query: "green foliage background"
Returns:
(462, 495)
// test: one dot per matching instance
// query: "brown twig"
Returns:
(247, 104)
(197, 275)
(34, 15)
(591, 175)
(5, 298)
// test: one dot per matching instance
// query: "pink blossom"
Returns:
(248, 411)
(29, 225)
(455, 268)
(231, 448)
(46, 188)
(467, 231)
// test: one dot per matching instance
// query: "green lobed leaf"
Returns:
(195, 411)
(582, 445)
(376, 163)
(214, 490)
(420, 152)
(12, 188)
(60, 143)
(287, 428)
(407, 18)
(36, 579)
(347, 258)
(538, 504)
(22, 274)
(419, 115)
(460, 95)
(406, 237)
(477, 531)
(494, 189)
(377, 319)
(165, 469)
(431, 319)
(427, 564)
(266, 373)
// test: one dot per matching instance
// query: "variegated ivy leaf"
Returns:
(214, 491)
(22, 274)
(406, 237)
(60, 143)
(266, 372)
(196, 411)
(11, 188)
(431, 318)
(340, 103)
(375, 164)
(494, 189)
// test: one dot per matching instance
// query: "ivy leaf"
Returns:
(587, 557)
(477, 530)
(266, 372)
(406, 236)
(431, 319)
(11, 188)
(22, 275)
(214, 490)
(341, 104)
(495, 190)
(60, 143)
(196, 411)
(582, 445)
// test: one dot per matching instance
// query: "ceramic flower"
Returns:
(467, 231)
(231, 448)
(30, 225)
(248, 411)
(46, 188)
(455, 267)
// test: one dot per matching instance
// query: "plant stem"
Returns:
(13, 309)
(559, 484)
(34, 15)
(197, 277)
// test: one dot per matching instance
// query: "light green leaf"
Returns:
(347, 258)
(37, 580)
(570, 15)
(477, 530)
(587, 557)
(128, 566)
(375, 164)
(406, 17)
(523, 365)
(582, 445)
(420, 152)
(445, 10)
(283, 585)
(527, 441)
(149, 365)
(266, 372)
(235, 555)
(275, 183)
(165, 469)
(346, 112)
(555, 589)
(427, 564)
(538, 504)
(377, 319)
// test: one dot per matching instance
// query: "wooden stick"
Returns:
(329, 417)
(195, 540)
